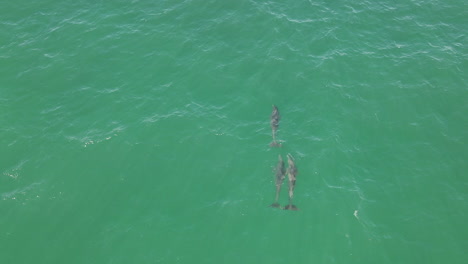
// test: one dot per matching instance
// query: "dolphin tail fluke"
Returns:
(275, 144)
(291, 207)
(275, 205)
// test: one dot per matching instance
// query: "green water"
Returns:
(138, 131)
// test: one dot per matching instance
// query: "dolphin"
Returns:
(274, 123)
(292, 172)
(280, 171)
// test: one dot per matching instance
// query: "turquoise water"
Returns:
(138, 131)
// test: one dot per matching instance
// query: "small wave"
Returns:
(95, 136)
(15, 171)
(20, 192)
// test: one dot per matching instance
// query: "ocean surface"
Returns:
(139, 131)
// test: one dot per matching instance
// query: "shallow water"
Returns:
(138, 132)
